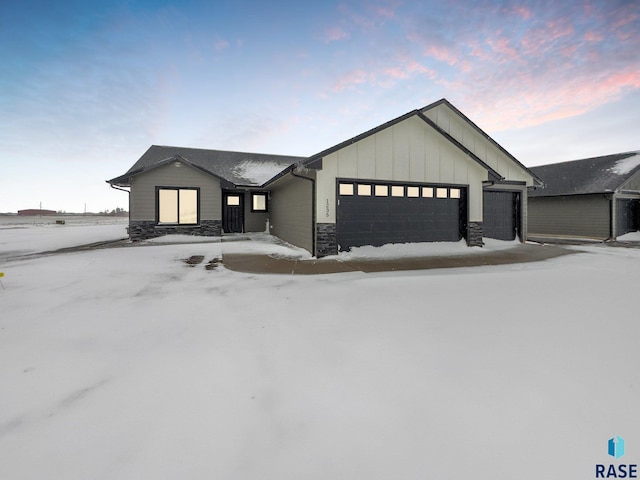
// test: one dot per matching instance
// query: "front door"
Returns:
(232, 212)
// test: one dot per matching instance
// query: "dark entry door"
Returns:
(232, 212)
(500, 214)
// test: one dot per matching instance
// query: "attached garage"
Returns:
(501, 212)
(375, 213)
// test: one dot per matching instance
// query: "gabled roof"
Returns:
(314, 160)
(446, 102)
(237, 168)
(590, 175)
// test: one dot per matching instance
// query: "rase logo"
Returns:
(615, 448)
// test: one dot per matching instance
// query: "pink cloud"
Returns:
(221, 45)
(503, 48)
(539, 40)
(409, 69)
(528, 100)
(442, 54)
(593, 37)
(334, 34)
(521, 11)
(352, 79)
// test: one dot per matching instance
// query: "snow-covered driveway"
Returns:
(128, 363)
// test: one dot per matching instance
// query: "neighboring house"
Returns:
(594, 198)
(429, 175)
(36, 211)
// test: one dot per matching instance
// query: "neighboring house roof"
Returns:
(237, 168)
(590, 175)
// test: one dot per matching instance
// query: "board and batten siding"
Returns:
(586, 216)
(468, 136)
(143, 191)
(291, 211)
(409, 151)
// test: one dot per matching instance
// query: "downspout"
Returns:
(128, 203)
(313, 210)
(612, 211)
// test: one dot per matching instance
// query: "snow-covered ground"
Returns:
(127, 363)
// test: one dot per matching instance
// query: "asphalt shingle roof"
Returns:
(589, 175)
(238, 168)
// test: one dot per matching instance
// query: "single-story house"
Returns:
(593, 198)
(429, 175)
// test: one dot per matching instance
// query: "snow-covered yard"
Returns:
(127, 363)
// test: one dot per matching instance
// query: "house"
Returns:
(36, 211)
(429, 175)
(593, 198)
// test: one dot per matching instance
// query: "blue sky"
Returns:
(87, 87)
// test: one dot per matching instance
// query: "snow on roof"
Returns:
(626, 165)
(589, 175)
(238, 168)
(255, 172)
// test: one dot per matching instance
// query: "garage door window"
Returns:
(346, 189)
(381, 191)
(397, 191)
(364, 190)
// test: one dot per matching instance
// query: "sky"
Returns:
(87, 87)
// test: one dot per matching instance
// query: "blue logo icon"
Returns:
(616, 446)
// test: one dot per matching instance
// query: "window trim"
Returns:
(266, 202)
(159, 188)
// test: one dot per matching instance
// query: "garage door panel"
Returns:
(371, 220)
(500, 215)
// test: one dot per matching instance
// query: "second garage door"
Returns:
(500, 214)
(372, 213)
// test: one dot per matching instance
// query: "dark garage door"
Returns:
(377, 214)
(628, 215)
(500, 214)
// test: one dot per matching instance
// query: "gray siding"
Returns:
(254, 221)
(633, 183)
(291, 211)
(585, 216)
(143, 191)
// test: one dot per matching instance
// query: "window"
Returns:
(427, 192)
(258, 202)
(178, 206)
(364, 190)
(454, 193)
(233, 200)
(397, 191)
(381, 191)
(346, 189)
(413, 192)
(441, 193)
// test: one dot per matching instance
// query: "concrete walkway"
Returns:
(256, 263)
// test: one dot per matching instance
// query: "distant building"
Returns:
(36, 211)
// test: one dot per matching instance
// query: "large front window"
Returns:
(178, 206)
